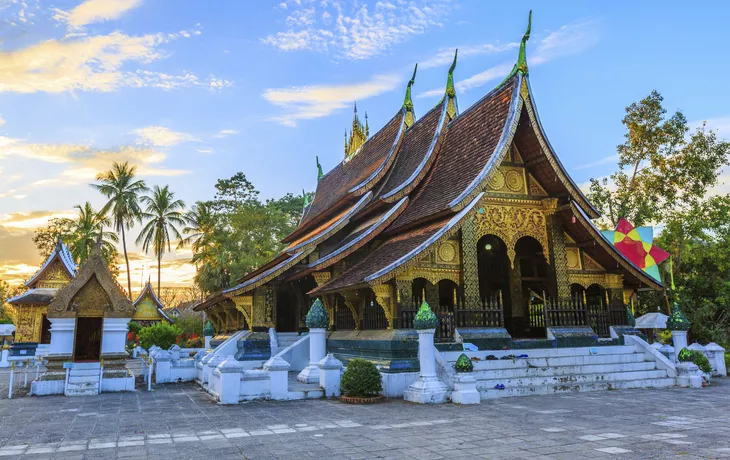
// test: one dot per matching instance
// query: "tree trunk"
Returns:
(159, 262)
(126, 260)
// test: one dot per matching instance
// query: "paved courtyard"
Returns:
(181, 422)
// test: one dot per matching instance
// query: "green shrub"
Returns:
(361, 379)
(6, 320)
(134, 327)
(696, 357)
(727, 361)
(161, 334)
(197, 342)
(190, 324)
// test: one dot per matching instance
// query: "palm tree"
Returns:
(123, 192)
(87, 229)
(162, 213)
(200, 227)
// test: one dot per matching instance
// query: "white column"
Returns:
(208, 338)
(163, 366)
(428, 389)
(679, 340)
(4, 361)
(62, 336)
(330, 372)
(113, 336)
(718, 355)
(229, 372)
(317, 350)
(174, 351)
(465, 389)
(278, 370)
(212, 364)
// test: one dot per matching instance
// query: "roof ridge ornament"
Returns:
(320, 174)
(408, 102)
(521, 64)
(452, 108)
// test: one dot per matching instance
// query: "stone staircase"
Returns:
(285, 339)
(563, 370)
(83, 380)
(301, 390)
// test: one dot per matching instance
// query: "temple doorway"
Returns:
(494, 277)
(534, 276)
(45, 330)
(286, 311)
(87, 344)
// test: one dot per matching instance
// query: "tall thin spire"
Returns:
(408, 102)
(521, 64)
(320, 174)
(452, 108)
(367, 128)
(358, 135)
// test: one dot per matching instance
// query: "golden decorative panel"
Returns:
(573, 257)
(321, 277)
(146, 310)
(91, 300)
(508, 179)
(524, 90)
(516, 157)
(605, 280)
(448, 253)
(55, 276)
(568, 239)
(510, 221)
(28, 323)
(432, 274)
(384, 297)
(535, 187)
(590, 264)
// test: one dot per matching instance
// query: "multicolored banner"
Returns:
(637, 245)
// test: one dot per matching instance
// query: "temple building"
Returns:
(148, 309)
(471, 211)
(29, 310)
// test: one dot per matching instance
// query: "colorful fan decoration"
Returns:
(637, 245)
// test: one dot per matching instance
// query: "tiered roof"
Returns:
(42, 291)
(149, 293)
(416, 181)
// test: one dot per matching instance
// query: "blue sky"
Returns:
(193, 90)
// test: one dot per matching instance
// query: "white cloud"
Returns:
(205, 150)
(570, 39)
(83, 162)
(225, 133)
(307, 102)
(217, 84)
(2, 120)
(446, 55)
(600, 162)
(92, 11)
(720, 125)
(159, 136)
(358, 33)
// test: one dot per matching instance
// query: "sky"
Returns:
(191, 91)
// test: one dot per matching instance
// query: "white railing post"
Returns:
(65, 383)
(37, 367)
(101, 374)
(10, 387)
(25, 378)
(149, 374)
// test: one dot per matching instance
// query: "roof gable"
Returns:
(58, 268)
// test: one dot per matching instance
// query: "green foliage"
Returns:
(696, 357)
(727, 360)
(236, 233)
(190, 324)
(197, 342)
(134, 327)
(317, 316)
(425, 318)
(630, 320)
(5, 320)
(464, 364)
(161, 334)
(361, 379)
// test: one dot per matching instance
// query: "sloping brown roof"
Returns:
(355, 177)
(471, 141)
(415, 155)
(38, 296)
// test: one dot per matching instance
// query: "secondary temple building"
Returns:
(471, 211)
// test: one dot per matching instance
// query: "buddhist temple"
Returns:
(148, 309)
(29, 310)
(471, 211)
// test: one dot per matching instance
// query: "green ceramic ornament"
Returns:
(425, 318)
(208, 330)
(318, 318)
(464, 364)
(677, 321)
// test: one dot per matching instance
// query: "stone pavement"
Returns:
(178, 421)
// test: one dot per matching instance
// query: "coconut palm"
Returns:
(124, 193)
(163, 214)
(200, 227)
(87, 229)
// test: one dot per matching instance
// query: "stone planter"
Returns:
(465, 389)
(356, 400)
(688, 375)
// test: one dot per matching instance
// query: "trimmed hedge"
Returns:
(361, 379)
(696, 357)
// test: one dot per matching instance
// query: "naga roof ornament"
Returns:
(320, 174)
(408, 102)
(521, 65)
(452, 109)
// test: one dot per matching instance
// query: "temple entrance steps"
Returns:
(563, 370)
(284, 340)
(83, 379)
(301, 390)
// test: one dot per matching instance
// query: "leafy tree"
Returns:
(161, 334)
(661, 169)
(45, 237)
(124, 192)
(163, 214)
(87, 229)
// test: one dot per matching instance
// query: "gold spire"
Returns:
(358, 135)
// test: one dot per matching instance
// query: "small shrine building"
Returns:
(470, 210)
(29, 310)
(148, 309)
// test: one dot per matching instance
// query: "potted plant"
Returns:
(361, 383)
(465, 385)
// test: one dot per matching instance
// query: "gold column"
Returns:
(384, 296)
(244, 304)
